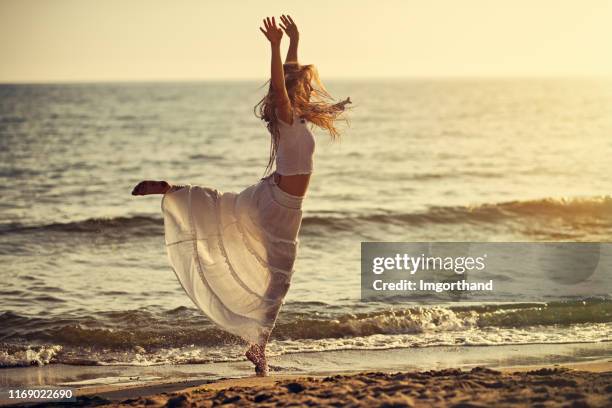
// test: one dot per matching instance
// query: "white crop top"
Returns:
(296, 148)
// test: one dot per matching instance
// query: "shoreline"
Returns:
(112, 384)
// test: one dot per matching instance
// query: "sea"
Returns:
(85, 279)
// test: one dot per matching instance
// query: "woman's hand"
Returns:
(277, 74)
(272, 32)
(289, 27)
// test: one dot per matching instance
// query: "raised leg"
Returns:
(151, 187)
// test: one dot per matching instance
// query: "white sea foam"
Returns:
(29, 356)
(461, 335)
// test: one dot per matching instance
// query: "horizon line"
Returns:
(331, 78)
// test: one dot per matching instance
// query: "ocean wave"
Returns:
(422, 319)
(184, 326)
(28, 355)
(590, 211)
(183, 335)
(493, 336)
(138, 225)
(569, 209)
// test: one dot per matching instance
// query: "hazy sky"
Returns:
(80, 40)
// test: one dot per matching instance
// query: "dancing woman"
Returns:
(233, 253)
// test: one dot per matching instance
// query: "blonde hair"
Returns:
(309, 100)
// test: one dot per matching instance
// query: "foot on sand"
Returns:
(257, 355)
(151, 187)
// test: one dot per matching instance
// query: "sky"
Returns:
(117, 40)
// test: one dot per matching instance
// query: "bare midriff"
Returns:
(296, 185)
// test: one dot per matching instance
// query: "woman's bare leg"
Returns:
(257, 355)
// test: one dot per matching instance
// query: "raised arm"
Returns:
(283, 105)
(292, 32)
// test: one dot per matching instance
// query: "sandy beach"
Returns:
(478, 387)
(575, 385)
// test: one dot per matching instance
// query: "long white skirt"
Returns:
(233, 253)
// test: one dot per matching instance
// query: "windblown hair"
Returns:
(309, 100)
